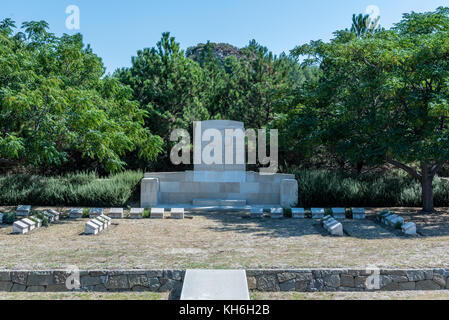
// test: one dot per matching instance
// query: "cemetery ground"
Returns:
(229, 240)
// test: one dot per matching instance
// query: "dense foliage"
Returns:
(369, 98)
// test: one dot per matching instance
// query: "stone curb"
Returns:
(262, 280)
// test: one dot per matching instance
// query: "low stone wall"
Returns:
(95, 281)
(300, 280)
(319, 280)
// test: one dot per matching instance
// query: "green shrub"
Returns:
(9, 217)
(146, 213)
(323, 188)
(80, 189)
(288, 213)
(86, 213)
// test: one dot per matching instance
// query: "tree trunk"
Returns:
(427, 189)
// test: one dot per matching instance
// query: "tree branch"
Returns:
(438, 166)
(405, 167)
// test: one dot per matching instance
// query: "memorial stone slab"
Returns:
(1, 217)
(390, 218)
(23, 211)
(76, 213)
(106, 218)
(317, 213)
(385, 217)
(339, 213)
(49, 216)
(256, 213)
(104, 221)
(95, 212)
(20, 227)
(55, 213)
(38, 222)
(215, 285)
(31, 224)
(177, 213)
(358, 213)
(276, 213)
(398, 220)
(409, 229)
(91, 228)
(98, 223)
(157, 213)
(116, 213)
(298, 213)
(136, 213)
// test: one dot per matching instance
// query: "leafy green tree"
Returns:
(383, 98)
(55, 103)
(169, 86)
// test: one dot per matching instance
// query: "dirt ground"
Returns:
(228, 240)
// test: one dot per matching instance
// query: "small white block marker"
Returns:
(20, 228)
(157, 213)
(317, 213)
(177, 213)
(298, 213)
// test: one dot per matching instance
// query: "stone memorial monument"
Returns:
(221, 185)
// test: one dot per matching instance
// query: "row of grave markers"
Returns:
(317, 213)
(393, 220)
(135, 213)
(26, 225)
(97, 224)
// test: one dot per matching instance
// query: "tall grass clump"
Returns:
(80, 189)
(328, 188)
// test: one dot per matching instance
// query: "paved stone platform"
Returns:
(215, 285)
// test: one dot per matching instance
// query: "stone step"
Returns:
(215, 285)
(218, 202)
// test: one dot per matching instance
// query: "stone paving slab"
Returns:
(215, 285)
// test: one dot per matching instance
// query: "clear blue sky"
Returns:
(117, 29)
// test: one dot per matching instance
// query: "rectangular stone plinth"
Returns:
(358, 213)
(289, 193)
(95, 212)
(298, 213)
(136, 213)
(91, 228)
(317, 213)
(157, 213)
(76, 213)
(276, 213)
(20, 227)
(215, 285)
(177, 213)
(149, 192)
(116, 213)
(256, 213)
(23, 211)
(31, 224)
(339, 213)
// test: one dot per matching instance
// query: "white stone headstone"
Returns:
(358, 213)
(91, 228)
(409, 229)
(221, 172)
(276, 213)
(298, 213)
(157, 213)
(76, 213)
(116, 213)
(136, 213)
(257, 213)
(32, 225)
(317, 213)
(100, 224)
(177, 213)
(20, 227)
(339, 213)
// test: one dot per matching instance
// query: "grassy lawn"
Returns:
(84, 296)
(403, 295)
(227, 240)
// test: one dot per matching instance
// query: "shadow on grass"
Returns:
(428, 225)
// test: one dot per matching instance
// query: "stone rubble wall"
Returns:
(300, 280)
